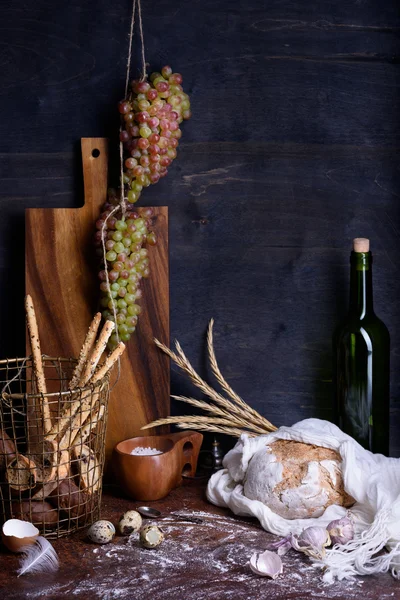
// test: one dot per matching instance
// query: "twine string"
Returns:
(128, 62)
(103, 244)
(144, 74)
(136, 6)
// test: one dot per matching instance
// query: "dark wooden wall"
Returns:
(292, 150)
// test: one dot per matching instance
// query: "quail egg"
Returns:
(129, 522)
(101, 532)
(151, 536)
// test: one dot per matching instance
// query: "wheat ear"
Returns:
(225, 385)
(181, 360)
(232, 417)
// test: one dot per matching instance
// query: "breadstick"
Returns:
(85, 406)
(37, 360)
(62, 472)
(85, 351)
(70, 411)
(88, 467)
(97, 352)
(46, 461)
(109, 362)
(69, 414)
(107, 366)
(80, 436)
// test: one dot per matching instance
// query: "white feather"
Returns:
(38, 558)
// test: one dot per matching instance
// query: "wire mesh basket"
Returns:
(51, 446)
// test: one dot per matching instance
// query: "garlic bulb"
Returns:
(341, 530)
(312, 541)
(267, 564)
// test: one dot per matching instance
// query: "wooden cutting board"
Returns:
(61, 276)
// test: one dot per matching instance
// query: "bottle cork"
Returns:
(361, 245)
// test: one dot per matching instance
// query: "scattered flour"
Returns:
(216, 555)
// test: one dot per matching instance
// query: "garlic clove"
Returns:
(312, 541)
(284, 549)
(341, 530)
(282, 546)
(266, 564)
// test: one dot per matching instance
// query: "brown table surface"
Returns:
(195, 562)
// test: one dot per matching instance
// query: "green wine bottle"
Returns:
(361, 348)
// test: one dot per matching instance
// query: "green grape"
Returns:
(131, 329)
(113, 339)
(132, 196)
(111, 255)
(104, 302)
(140, 223)
(122, 329)
(134, 309)
(136, 237)
(121, 303)
(120, 225)
(119, 247)
(154, 75)
(117, 236)
(115, 286)
(130, 298)
(125, 337)
(136, 187)
(122, 282)
(145, 131)
(121, 318)
(133, 277)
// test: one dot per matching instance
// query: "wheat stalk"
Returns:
(183, 363)
(233, 416)
(192, 422)
(225, 385)
(216, 410)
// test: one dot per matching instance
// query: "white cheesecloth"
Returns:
(373, 480)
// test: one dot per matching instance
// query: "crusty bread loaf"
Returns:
(296, 480)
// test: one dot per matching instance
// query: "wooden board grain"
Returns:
(61, 276)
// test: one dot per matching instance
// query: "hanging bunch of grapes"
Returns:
(150, 133)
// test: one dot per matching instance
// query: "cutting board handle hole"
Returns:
(187, 448)
(95, 153)
(187, 469)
